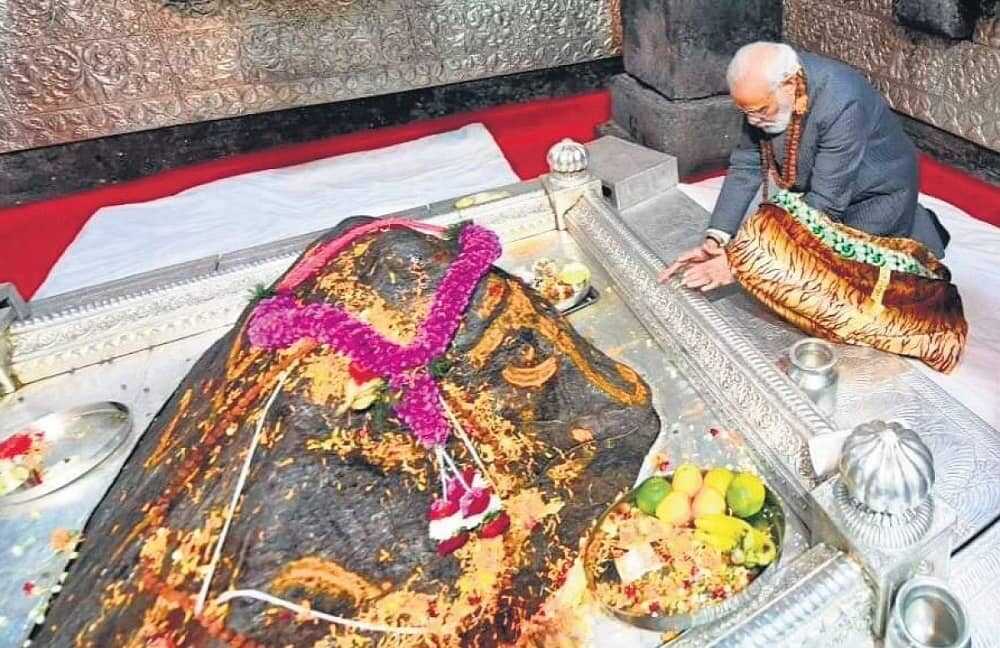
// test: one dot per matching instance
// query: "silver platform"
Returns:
(712, 362)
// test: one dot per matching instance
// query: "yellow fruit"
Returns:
(722, 525)
(687, 479)
(763, 551)
(674, 509)
(745, 495)
(718, 479)
(720, 542)
(574, 274)
(708, 501)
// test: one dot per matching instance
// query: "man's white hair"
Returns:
(771, 62)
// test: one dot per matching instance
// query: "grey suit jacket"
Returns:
(855, 162)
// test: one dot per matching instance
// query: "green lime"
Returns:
(651, 493)
(745, 495)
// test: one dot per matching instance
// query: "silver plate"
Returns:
(76, 441)
(709, 613)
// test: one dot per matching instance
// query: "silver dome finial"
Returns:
(887, 468)
(568, 156)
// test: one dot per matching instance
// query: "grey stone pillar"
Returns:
(673, 96)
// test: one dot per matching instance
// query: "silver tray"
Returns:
(77, 441)
(709, 613)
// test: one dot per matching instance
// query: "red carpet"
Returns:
(33, 236)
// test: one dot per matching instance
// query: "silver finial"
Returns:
(568, 156)
(887, 468)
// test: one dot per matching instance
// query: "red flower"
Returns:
(452, 544)
(456, 489)
(15, 446)
(28, 588)
(441, 509)
(495, 527)
(360, 374)
(475, 501)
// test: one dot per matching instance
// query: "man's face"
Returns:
(767, 109)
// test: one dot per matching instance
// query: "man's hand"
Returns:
(705, 267)
(709, 275)
(703, 252)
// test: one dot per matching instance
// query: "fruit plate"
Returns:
(771, 517)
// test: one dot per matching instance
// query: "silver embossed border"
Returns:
(822, 595)
(743, 384)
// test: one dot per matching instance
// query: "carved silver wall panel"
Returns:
(78, 69)
(954, 85)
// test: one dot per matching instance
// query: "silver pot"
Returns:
(927, 614)
(813, 367)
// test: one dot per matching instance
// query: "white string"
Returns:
(454, 468)
(444, 479)
(464, 438)
(288, 605)
(231, 511)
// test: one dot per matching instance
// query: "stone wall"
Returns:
(78, 69)
(952, 84)
(674, 97)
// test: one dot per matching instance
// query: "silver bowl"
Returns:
(77, 441)
(773, 511)
(926, 614)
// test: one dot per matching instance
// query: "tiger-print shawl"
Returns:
(781, 263)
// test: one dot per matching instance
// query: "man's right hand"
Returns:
(708, 249)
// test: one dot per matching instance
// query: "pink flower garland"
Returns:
(281, 321)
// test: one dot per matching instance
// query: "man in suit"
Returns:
(854, 162)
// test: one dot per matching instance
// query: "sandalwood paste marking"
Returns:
(520, 313)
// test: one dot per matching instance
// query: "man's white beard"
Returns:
(779, 124)
(781, 121)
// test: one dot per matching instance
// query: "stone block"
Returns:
(682, 47)
(700, 133)
(949, 18)
(630, 173)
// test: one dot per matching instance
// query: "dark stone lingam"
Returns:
(333, 512)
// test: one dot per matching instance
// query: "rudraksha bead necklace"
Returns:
(786, 179)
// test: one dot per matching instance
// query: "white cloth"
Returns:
(972, 256)
(265, 206)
